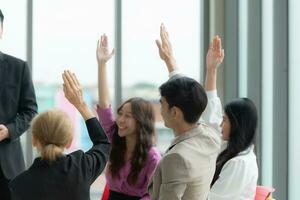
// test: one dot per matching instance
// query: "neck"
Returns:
(184, 127)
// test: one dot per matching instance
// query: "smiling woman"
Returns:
(133, 156)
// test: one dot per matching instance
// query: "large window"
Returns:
(142, 69)
(294, 96)
(65, 37)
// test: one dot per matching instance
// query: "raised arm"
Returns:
(94, 160)
(214, 58)
(103, 55)
(73, 92)
(213, 112)
(165, 49)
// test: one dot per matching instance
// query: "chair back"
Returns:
(263, 192)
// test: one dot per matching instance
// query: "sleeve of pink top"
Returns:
(152, 164)
(107, 120)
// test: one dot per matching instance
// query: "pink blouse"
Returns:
(121, 185)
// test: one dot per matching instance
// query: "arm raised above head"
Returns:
(103, 55)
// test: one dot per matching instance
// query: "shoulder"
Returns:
(21, 180)
(154, 157)
(242, 163)
(174, 158)
(75, 155)
(154, 153)
(13, 60)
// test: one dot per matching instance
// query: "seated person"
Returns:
(236, 170)
(54, 175)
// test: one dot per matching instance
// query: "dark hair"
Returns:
(243, 117)
(186, 94)
(1, 17)
(143, 113)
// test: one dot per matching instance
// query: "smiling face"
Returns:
(226, 126)
(125, 121)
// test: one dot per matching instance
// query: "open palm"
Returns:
(103, 53)
(215, 54)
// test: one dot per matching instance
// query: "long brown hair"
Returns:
(53, 131)
(143, 113)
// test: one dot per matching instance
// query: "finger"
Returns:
(112, 52)
(161, 30)
(72, 84)
(223, 54)
(164, 34)
(218, 45)
(105, 42)
(65, 90)
(210, 46)
(101, 41)
(215, 43)
(66, 81)
(76, 80)
(158, 43)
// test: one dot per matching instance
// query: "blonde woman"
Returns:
(54, 175)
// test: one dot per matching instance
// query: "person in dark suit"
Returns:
(53, 175)
(17, 108)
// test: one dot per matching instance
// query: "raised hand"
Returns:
(215, 54)
(72, 89)
(165, 49)
(73, 92)
(103, 53)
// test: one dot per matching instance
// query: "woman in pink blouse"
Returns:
(133, 157)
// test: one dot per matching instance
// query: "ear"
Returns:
(34, 141)
(176, 113)
(68, 145)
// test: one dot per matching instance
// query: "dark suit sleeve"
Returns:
(97, 156)
(27, 106)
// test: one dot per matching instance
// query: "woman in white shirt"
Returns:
(236, 170)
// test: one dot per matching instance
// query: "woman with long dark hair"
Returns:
(236, 168)
(133, 157)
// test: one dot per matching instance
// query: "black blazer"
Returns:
(17, 108)
(69, 177)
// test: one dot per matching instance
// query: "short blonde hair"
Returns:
(53, 130)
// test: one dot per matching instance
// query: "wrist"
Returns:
(171, 64)
(212, 70)
(82, 107)
(101, 63)
(85, 112)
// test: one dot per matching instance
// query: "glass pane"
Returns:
(294, 96)
(142, 69)
(267, 93)
(65, 37)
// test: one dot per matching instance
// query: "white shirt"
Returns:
(238, 177)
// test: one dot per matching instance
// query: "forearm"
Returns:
(171, 64)
(20, 124)
(211, 79)
(103, 90)
(85, 112)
